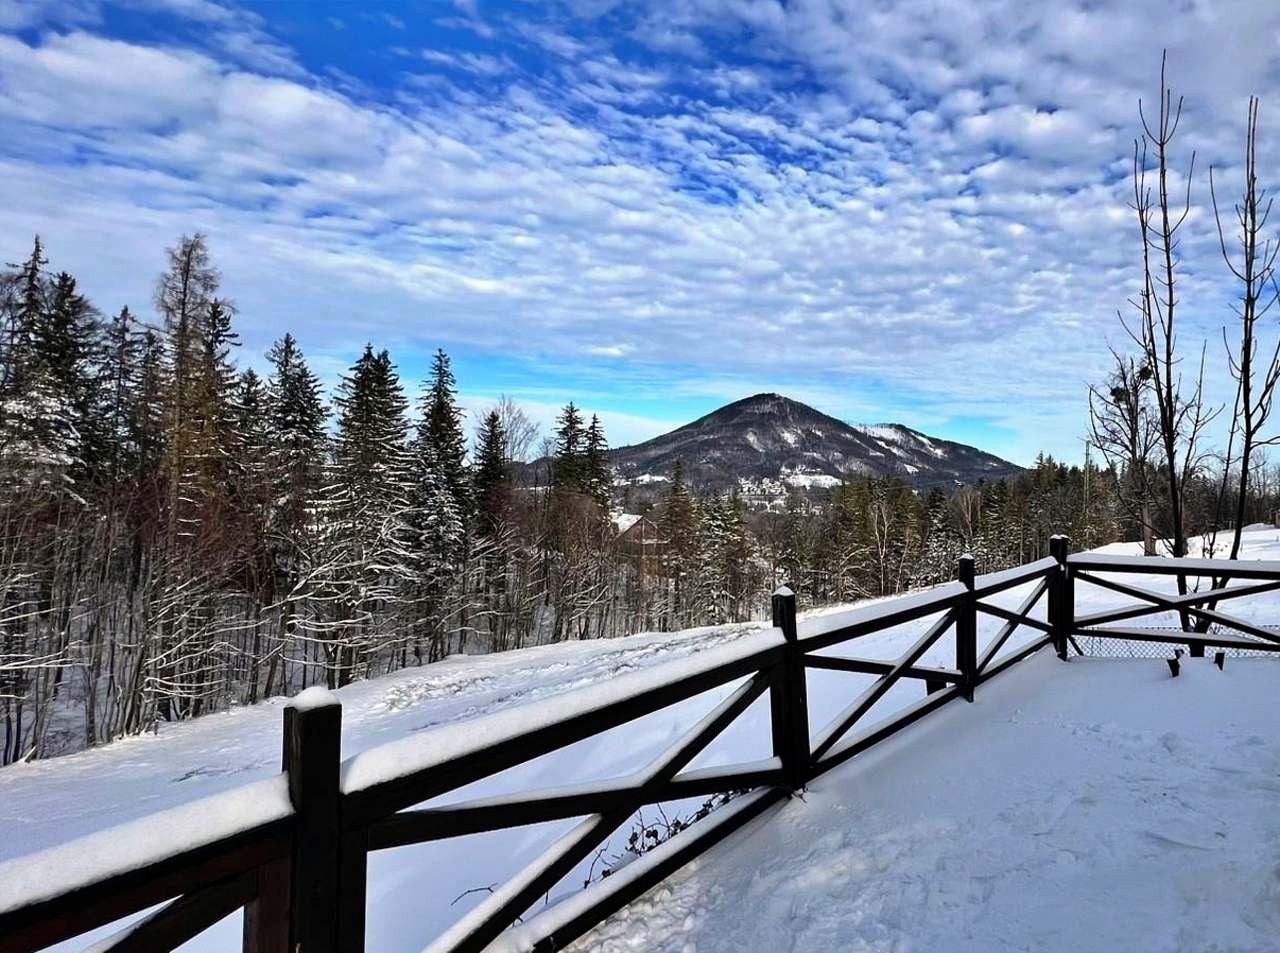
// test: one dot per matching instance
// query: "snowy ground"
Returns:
(864, 838)
(1098, 805)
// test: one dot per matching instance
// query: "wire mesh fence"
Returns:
(1101, 646)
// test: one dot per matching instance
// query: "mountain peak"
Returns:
(772, 441)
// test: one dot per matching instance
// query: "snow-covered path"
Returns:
(1095, 805)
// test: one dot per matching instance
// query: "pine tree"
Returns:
(251, 427)
(568, 469)
(45, 382)
(442, 427)
(942, 545)
(148, 422)
(23, 311)
(366, 551)
(213, 413)
(597, 479)
(118, 391)
(64, 349)
(492, 478)
(297, 442)
(679, 528)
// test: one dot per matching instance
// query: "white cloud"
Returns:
(901, 200)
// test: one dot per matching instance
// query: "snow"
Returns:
(1000, 827)
(1096, 805)
(810, 480)
(524, 936)
(420, 751)
(317, 696)
(885, 433)
(624, 521)
(44, 873)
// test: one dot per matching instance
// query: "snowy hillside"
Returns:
(867, 836)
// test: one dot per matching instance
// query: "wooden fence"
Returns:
(301, 877)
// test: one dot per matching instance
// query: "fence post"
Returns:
(967, 629)
(312, 753)
(1061, 596)
(789, 696)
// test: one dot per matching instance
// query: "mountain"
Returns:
(768, 442)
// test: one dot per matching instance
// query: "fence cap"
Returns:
(317, 696)
(783, 591)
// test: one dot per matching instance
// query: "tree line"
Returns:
(179, 535)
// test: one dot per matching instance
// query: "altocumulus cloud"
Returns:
(909, 210)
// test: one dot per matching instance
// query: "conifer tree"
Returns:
(442, 428)
(366, 552)
(679, 528)
(492, 478)
(568, 470)
(64, 344)
(183, 295)
(296, 416)
(119, 385)
(597, 480)
(23, 309)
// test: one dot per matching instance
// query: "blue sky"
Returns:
(908, 212)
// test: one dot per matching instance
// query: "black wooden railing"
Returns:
(301, 878)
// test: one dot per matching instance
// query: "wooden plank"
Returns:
(1168, 566)
(313, 753)
(612, 894)
(966, 628)
(1194, 598)
(361, 808)
(828, 630)
(866, 666)
(1011, 616)
(536, 807)
(77, 911)
(862, 704)
(184, 918)
(1011, 626)
(993, 582)
(498, 911)
(1168, 604)
(266, 916)
(856, 744)
(789, 696)
(1015, 657)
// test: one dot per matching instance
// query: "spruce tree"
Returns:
(22, 315)
(678, 525)
(568, 468)
(597, 479)
(441, 427)
(492, 478)
(117, 393)
(366, 551)
(214, 414)
(296, 416)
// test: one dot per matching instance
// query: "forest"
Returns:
(179, 534)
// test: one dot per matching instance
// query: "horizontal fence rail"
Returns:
(296, 863)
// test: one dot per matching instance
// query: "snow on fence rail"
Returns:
(293, 851)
